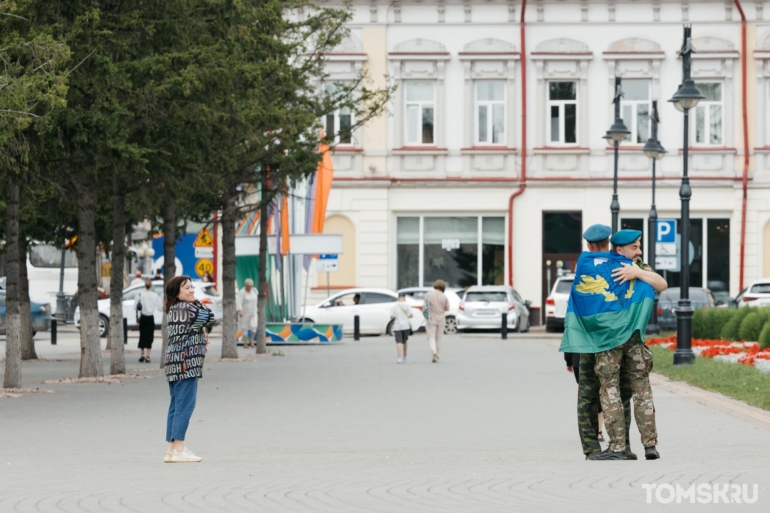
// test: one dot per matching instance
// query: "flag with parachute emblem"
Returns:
(603, 314)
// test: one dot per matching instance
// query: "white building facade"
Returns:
(491, 161)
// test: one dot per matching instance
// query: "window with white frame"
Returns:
(490, 112)
(340, 122)
(635, 109)
(708, 115)
(420, 112)
(562, 113)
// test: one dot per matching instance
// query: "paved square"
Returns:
(344, 428)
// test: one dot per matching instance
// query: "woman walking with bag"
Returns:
(188, 324)
(434, 309)
(145, 307)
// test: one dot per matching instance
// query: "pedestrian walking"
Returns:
(589, 407)
(434, 309)
(188, 324)
(400, 314)
(632, 354)
(246, 305)
(145, 307)
(158, 274)
(138, 280)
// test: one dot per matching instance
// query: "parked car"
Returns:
(373, 308)
(41, 315)
(721, 294)
(756, 294)
(415, 296)
(556, 303)
(203, 291)
(669, 298)
(483, 306)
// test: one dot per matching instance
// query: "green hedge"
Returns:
(734, 324)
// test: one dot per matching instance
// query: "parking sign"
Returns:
(665, 231)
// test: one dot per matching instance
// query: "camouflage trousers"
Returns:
(588, 402)
(637, 358)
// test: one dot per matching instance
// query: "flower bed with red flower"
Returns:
(712, 347)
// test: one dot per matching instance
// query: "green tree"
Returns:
(264, 70)
(32, 83)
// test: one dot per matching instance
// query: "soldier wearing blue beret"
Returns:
(635, 357)
(589, 407)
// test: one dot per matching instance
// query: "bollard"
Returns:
(125, 331)
(356, 328)
(53, 332)
(504, 329)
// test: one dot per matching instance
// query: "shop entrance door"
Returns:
(562, 245)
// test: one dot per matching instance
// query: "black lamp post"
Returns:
(614, 135)
(654, 150)
(686, 98)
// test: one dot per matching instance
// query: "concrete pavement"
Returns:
(344, 428)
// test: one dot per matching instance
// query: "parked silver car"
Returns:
(483, 308)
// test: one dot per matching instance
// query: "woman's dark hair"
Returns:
(148, 283)
(173, 287)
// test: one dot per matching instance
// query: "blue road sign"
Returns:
(665, 231)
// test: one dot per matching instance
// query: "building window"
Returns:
(718, 253)
(408, 251)
(562, 112)
(635, 109)
(708, 115)
(340, 122)
(490, 112)
(462, 251)
(493, 250)
(420, 112)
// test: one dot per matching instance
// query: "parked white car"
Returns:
(483, 306)
(757, 294)
(371, 305)
(415, 296)
(556, 303)
(203, 291)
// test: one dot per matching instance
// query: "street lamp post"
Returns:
(686, 98)
(654, 150)
(614, 135)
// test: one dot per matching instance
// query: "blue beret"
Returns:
(597, 233)
(624, 237)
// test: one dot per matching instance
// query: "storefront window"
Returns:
(493, 250)
(718, 254)
(674, 279)
(408, 251)
(451, 246)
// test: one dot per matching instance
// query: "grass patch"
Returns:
(740, 382)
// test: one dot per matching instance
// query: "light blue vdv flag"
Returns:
(601, 313)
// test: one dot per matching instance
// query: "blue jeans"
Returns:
(180, 410)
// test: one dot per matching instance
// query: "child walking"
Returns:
(400, 314)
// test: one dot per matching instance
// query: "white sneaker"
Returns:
(400, 360)
(404, 358)
(167, 457)
(185, 457)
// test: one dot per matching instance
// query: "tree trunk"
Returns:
(90, 345)
(25, 312)
(169, 257)
(229, 342)
(117, 358)
(12, 319)
(262, 278)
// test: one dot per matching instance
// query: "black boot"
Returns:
(630, 455)
(607, 454)
(593, 453)
(651, 453)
